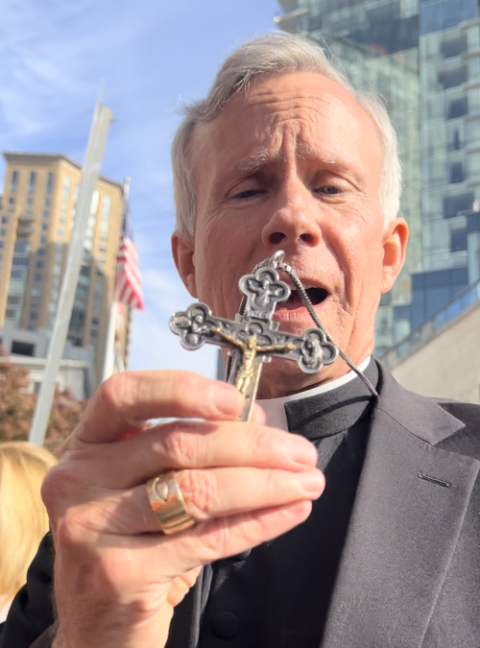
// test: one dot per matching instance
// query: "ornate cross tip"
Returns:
(253, 338)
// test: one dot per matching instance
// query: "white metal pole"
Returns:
(90, 173)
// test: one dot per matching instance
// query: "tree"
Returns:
(17, 405)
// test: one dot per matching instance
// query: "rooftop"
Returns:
(22, 157)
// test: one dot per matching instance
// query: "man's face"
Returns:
(295, 164)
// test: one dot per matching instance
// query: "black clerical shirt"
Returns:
(277, 595)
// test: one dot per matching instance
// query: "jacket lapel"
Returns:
(409, 509)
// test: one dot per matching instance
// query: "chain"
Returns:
(276, 261)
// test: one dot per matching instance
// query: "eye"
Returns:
(329, 190)
(249, 193)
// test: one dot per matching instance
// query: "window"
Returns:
(106, 207)
(46, 214)
(457, 108)
(61, 231)
(22, 247)
(94, 204)
(4, 219)
(453, 78)
(43, 240)
(14, 181)
(454, 47)
(66, 188)
(13, 300)
(452, 205)
(458, 240)
(57, 269)
(33, 315)
(11, 200)
(29, 201)
(455, 172)
(48, 202)
(18, 273)
(22, 348)
(10, 313)
(38, 276)
(93, 333)
(102, 248)
(95, 321)
(36, 291)
(45, 227)
(32, 181)
(77, 321)
(3, 231)
(49, 188)
(2, 245)
(41, 251)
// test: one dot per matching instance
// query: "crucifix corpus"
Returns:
(253, 338)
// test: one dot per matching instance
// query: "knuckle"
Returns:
(69, 532)
(56, 486)
(200, 491)
(181, 447)
(117, 391)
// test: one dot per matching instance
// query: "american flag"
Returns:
(128, 280)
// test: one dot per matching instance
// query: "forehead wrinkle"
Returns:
(263, 156)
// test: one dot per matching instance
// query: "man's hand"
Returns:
(117, 577)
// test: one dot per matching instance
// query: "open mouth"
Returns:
(316, 296)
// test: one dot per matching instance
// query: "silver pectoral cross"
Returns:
(253, 338)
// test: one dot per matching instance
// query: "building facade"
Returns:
(423, 58)
(39, 203)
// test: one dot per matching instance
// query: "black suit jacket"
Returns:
(409, 576)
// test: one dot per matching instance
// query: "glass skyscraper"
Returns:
(423, 58)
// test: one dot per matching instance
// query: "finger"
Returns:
(258, 415)
(160, 558)
(123, 401)
(188, 444)
(207, 495)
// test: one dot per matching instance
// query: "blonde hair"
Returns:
(23, 517)
(274, 53)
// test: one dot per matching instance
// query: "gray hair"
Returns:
(274, 53)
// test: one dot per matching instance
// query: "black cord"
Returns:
(309, 306)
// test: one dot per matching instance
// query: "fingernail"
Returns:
(227, 399)
(312, 483)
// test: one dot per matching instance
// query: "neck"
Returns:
(278, 379)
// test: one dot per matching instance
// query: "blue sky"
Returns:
(151, 55)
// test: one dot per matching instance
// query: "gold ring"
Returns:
(167, 503)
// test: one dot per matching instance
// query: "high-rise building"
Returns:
(423, 57)
(39, 202)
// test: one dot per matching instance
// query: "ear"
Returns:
(394, 248)
(183, 250)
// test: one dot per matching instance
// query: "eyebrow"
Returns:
(262, 157)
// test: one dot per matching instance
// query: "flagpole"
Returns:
(90, 174)
(109, 357)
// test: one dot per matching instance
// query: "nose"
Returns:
(294, 220)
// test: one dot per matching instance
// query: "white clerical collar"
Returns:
(274, 407)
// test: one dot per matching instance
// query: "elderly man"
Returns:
(283, 154)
